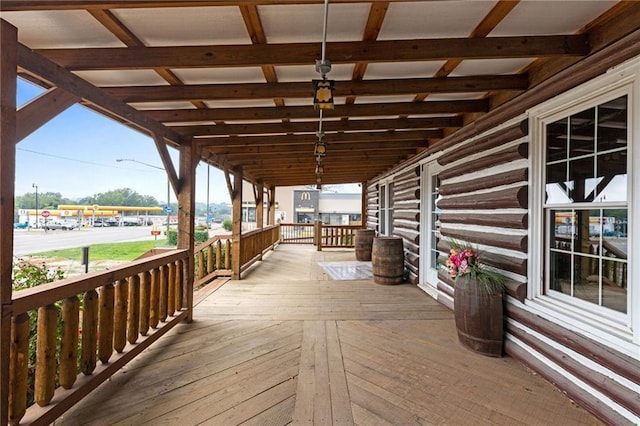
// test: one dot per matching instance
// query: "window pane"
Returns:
(582, 133)
(581, 175)
(612, 124)
(560, 274)
(556, 134)
(435, 221)
(585, 283)
(557, 191)
(612, 177)
(563, 229)
(614, 288)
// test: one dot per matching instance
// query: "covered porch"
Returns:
(288, 344)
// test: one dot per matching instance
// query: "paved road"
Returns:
(36, 240)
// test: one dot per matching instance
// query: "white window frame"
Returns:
(428, 275)
(622, 330)
(386, 208)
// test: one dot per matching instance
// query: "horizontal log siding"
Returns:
(373, 207)
(406, 214)
(483, 182)
(528, 331)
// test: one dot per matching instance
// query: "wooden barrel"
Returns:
(363, 243)
(479, 317)
(387, 260)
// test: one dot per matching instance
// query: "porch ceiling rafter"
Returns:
(478, 84)
(389, 137)
(231, 74)
(299, 53)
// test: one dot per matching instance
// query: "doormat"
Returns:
(351, 270)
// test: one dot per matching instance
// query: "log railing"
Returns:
(212, 259)
(101, 320)
(256, 242)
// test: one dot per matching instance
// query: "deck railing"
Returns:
(108, 316)
(297, 233)
(256, 242)
(319, 234)
(212, 259)
(333, 236)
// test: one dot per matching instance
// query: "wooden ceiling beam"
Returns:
(312, 126)
(475, 84)
(344, 154)
(309, 146)
(340, 111)
(329, 139)
(304, 53)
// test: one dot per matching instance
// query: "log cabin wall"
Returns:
(406, 215)
(484, 189)
(373, 207)
(483, 203)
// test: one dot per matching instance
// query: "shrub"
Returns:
(198, 236)
(227, 225)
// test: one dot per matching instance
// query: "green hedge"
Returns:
(199, 236)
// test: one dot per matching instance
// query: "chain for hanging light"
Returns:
(322, 97)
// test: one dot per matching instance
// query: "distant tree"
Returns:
(120, 197)
(46, 200)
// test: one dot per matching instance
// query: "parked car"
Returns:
(60, 224)
(22, 225)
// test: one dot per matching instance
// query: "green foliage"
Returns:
(27, 275)
(201, 236)
(46, 200)
(198, 236)
(172, 237)
(120, 197)
(466, 260)
(227, 225)
(129, 250)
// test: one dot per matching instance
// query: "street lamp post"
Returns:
(168, 185)
(36, 187)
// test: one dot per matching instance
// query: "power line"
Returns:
(45, 154)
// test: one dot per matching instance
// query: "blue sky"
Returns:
(75, 154)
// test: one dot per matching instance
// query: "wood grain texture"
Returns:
(287, 345)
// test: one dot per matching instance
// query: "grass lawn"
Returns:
(113, 251)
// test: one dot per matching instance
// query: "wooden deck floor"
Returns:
(288, 345)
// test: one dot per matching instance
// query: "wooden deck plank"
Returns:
(288, 345)
(340, 403)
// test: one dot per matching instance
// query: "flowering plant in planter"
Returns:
(464, 262)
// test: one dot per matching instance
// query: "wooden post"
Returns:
(259, 193)
(236, 215)
(271, 220)
(317, 228)
(8, 87)
(186, 216)
(363, 205)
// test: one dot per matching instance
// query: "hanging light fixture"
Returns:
(323, 89)
(322, 98)
(320, 149)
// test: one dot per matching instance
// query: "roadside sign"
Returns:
(167, 209)
(45, 213)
